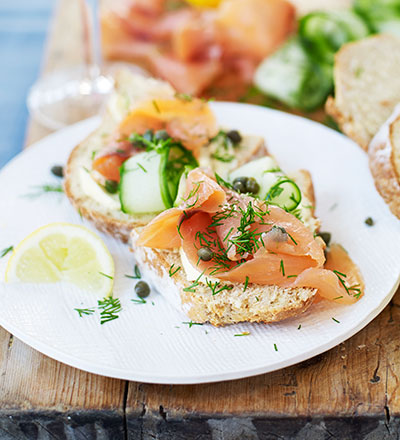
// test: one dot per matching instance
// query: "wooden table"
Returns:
(350, 392)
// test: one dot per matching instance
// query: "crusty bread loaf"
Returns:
(384, 160)
(256, 304)
(367, 86)
(105, 211)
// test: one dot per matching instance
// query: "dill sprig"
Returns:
(107, 276)
(137, 275)
(44, 189)
(222, 182)
(191, 323)
(110, 307)
(139, 301)
(5, 251)
(192, 287)
(246, 240)
(83, 312)
(355, 288)
(282, 268)
(173, 271)
(242, 334)
(246, 283)
(156, 106)
(184, 96)
(217, 287)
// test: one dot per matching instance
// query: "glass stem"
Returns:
(91, 37)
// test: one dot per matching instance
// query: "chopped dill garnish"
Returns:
(110, 307)
(222, 182)
(294, 241)
(83, 312)
(242, 334)
(107, 276)
(139, 301)
(291, 276)
(184, 96)
(193, 192)
(338, 297)
(192, 287)
(273, 170)
(44, 189)
(246, 283)
(5, 251)
(222, 158)
(173, 272)
(355, 288)
(275, 347)
(217, 287)
(137, 275)
(94, 152)
(336, 320)
(142, 167)
(180, 224)
(191, 323)
(228, 234)
(257, 298)
(282, 268)
(156, 106)
(299, 327)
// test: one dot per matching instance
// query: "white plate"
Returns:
(149, 343)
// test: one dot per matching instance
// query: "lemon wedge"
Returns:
(63, 252)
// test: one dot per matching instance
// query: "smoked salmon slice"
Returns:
(251, 242)
(189, 120)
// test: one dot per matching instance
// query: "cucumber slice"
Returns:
(285, 194)
(175, 160)
(294, 78)
(265, 170)
(325, 32)
(182, 186)
(275, 187)
(139, 188)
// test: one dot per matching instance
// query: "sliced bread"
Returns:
(367, 86)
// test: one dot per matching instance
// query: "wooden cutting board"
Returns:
(350, 392)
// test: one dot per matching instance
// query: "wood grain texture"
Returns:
(350, 392)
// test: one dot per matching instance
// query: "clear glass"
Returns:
(67, 96)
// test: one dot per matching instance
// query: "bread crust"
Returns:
(119, 227)
(382, 166)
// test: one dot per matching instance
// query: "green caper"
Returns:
(142, 289)
(57, 170)
(205, 253)
(252, 186)
(161, 135)
(234, 136)
(369, 221)
(148, 135)
(326, 236)
(239, 184)
(111, 186)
